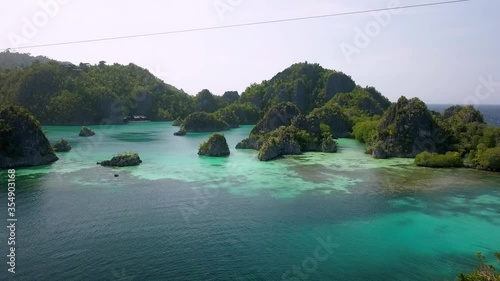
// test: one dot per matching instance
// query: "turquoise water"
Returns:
(179, 216)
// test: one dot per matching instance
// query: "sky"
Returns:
(441, 54)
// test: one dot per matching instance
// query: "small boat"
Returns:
(136, 118)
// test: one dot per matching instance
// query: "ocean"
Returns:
(179, 216)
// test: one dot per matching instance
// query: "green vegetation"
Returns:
(10, 60)
(181, 132)
(448, 160)
(326, 100)
(484, 158)
(66, 94)
(366, 129)
(283, 141)
(472, 138)
(306, 85)
(406, 129)
(128, 154)
(468, 129)
(203, 122)
(177, 122)
(409, 129)
(228, 116)
(62, 146)
(7, 137)
(63, 142)
(362, 102)
(9, 121)
(283, 131)
(302, 137)
(289, 140)
(22, 141)
(230, 97)
(215, 146)
(242, 114)
(123, 159)
(484, 272)
(277, 116)
(63, 94)
(207, 102)
(458, 114)
(335, 117)
(86, 132)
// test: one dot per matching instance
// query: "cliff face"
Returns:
(280, 115)
(284, 131)
(338, 82)
(407, 128)
(22, 142)
(362, 102)
(215, 146)
(334, 116)
(274, 147)
(463, 114)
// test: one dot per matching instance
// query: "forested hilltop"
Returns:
(58, 93)
(63, 93)
(10, 60)
(302, 108)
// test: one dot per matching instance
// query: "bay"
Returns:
(179, 216)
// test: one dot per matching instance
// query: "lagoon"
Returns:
(179, 216)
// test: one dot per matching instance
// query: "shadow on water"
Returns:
(136, 137)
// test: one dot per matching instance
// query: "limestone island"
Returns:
(204, 122)
(86, 132)
(215, 146)
(455, 139)
(285, 131)
(62, 146)
(22, 141)
(122, 160)
(181, 132)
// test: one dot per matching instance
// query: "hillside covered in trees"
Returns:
(327, 104)
(66, 94)
(10, 60)
(58, 93)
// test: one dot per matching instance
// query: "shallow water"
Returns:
(179, 216)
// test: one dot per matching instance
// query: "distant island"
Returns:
(302, 108)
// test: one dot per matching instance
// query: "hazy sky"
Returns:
(442, 54)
